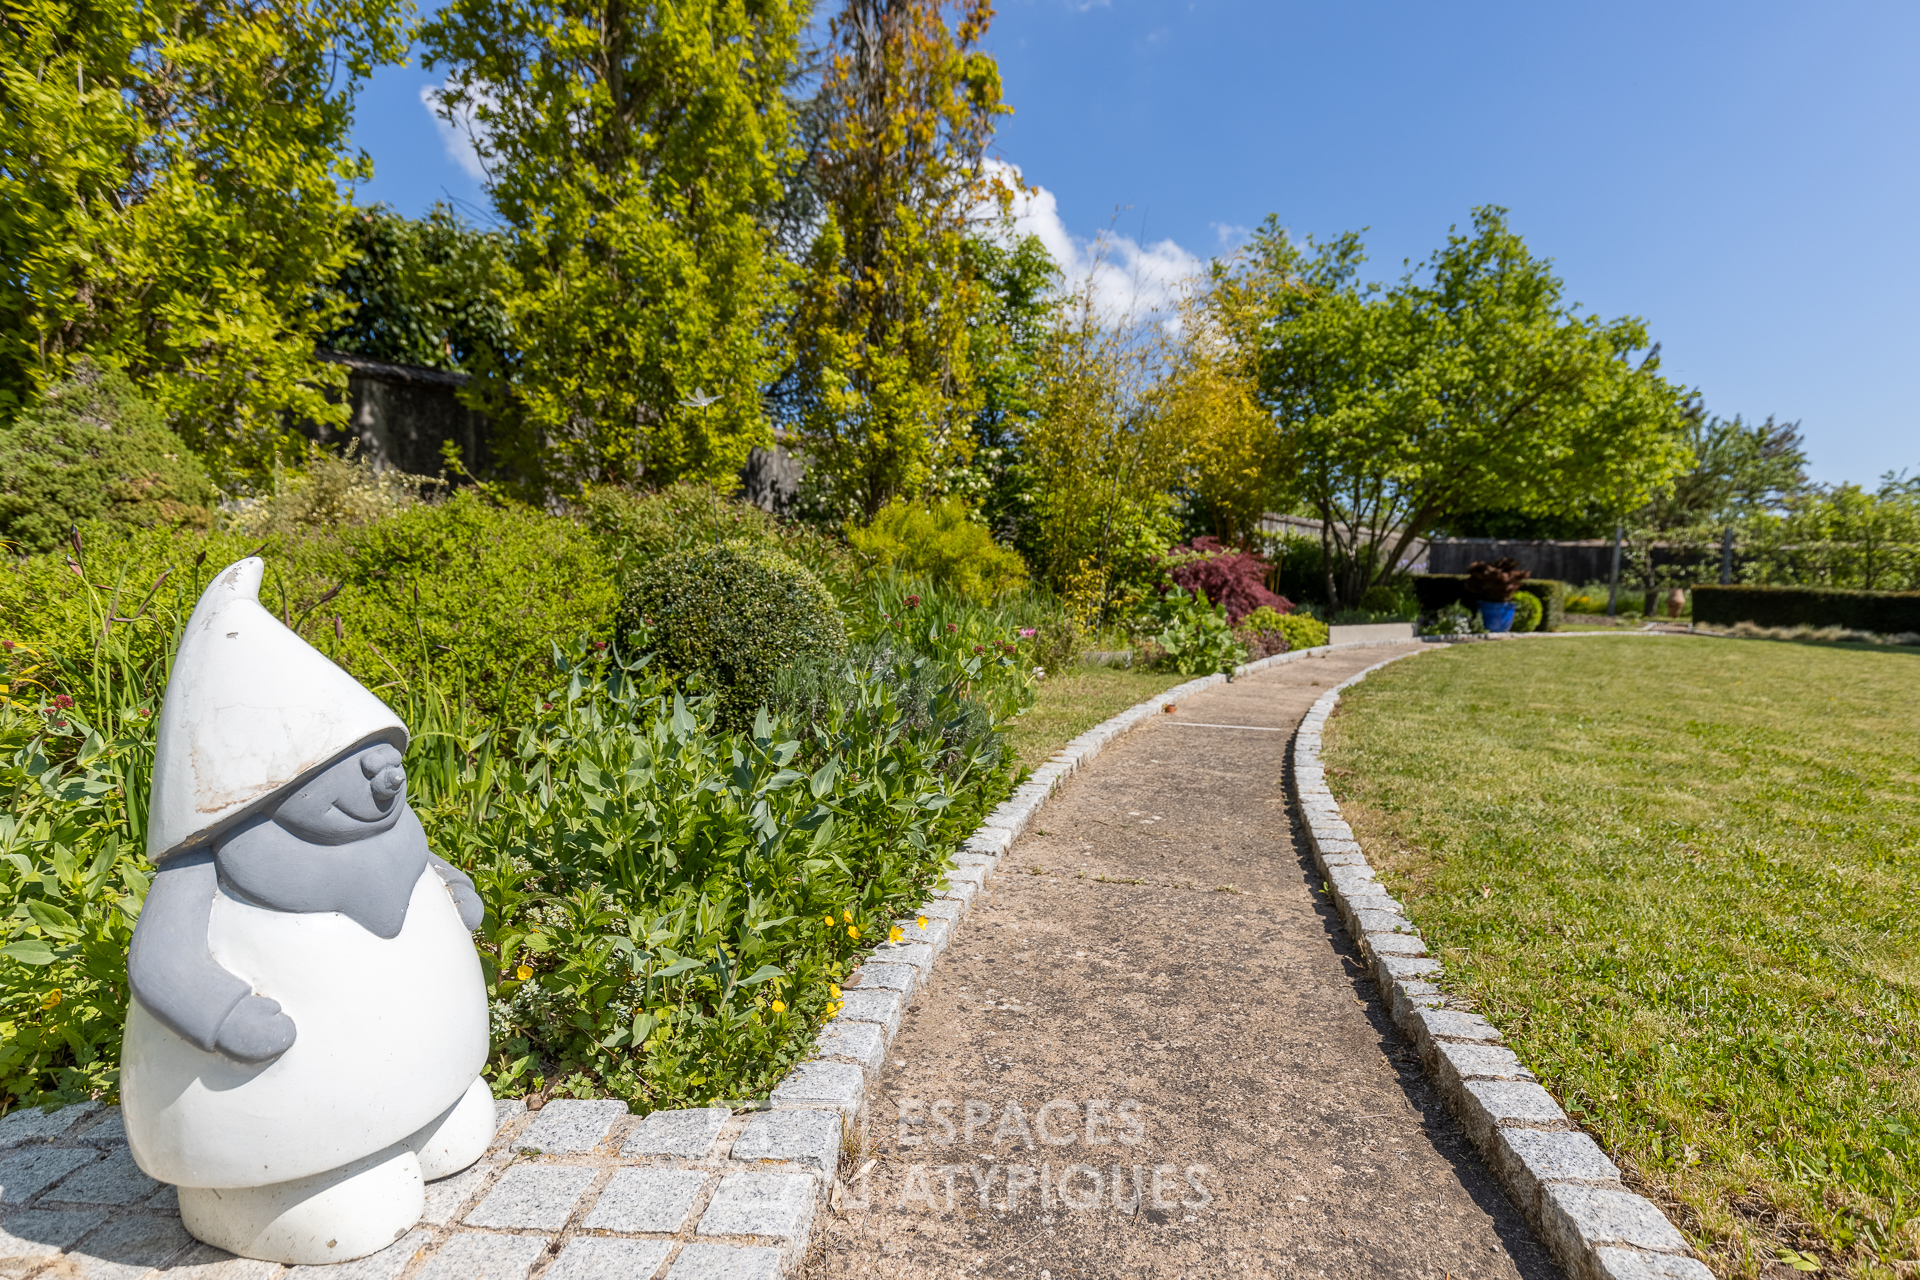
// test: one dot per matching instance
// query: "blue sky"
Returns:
(1744, 177)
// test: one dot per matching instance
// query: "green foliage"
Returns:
(1017, 307)
(1684, 888)
(1552, 595)
(732, 615)
(1882, 612)
(326, 491)
(1195, 637)
(883, 352)
(1382, 598)
(172, 192)
(1302, 631)
(629, 149)
(1301, 575)
(661, 884)
(1845, 536)
(637, 528)
(1099, 467)
(475, 591)
(1527, 611)
(428, 291)
(1737, 472)
(1475, 387)
(653, 885)
(941, 543)
(94, 450)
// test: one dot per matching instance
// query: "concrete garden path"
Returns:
(1153, 1005)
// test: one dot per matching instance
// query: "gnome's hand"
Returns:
(467, 903)
(255, 1031)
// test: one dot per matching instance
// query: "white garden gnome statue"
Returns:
(308, 1023)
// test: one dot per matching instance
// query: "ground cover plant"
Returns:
(1682, 876)
(658, 883)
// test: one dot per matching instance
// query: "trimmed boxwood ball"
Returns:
(736, 614)
(1527, 611)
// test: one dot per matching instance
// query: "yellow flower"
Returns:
(779, 1006)
(853, 931)
(830, 920)
(920, 921)
(895, 934)
(849, 917)
(51, 999)
(523, 973)
(834, 988)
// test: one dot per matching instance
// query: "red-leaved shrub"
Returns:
(1236, 580)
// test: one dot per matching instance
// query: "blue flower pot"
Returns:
(1496, 617)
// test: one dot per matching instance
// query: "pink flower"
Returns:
(62, 701)
(1026, 633)
(913, 602)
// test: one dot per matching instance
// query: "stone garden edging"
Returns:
(1558, 1176)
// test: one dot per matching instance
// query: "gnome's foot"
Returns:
(334, 1216)
(457, 1136)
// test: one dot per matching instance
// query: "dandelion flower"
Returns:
(779, 1006)
(523, 973)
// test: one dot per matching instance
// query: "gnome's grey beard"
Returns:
(369, 881)
(344, 841)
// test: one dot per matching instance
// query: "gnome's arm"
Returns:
(175, 978)
(466, 899)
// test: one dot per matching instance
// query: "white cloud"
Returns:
(1127, 278)
(456, 135)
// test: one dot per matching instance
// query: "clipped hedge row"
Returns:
(1885, 612)
(1435, 591)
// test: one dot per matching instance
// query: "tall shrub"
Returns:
(631, 150)
(940, 542)
(881, 336)
(173, 189)
(734, 616)
(1234, 580)
(94, 450)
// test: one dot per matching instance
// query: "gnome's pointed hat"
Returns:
(250, 708)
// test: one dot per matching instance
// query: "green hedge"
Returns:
(1435, 591)
(473, 591)
(1885, 612)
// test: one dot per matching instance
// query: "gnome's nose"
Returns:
(387, 784)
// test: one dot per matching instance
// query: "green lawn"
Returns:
(1066, 706)
(1683, 876)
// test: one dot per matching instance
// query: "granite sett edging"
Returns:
(1557, 1175)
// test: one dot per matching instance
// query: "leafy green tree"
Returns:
(884, 360)
(630, 150)
(92, 449)
(172, 193)
(1100, 463)
(429, 291)
(1469, 386)
(1018, 303)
